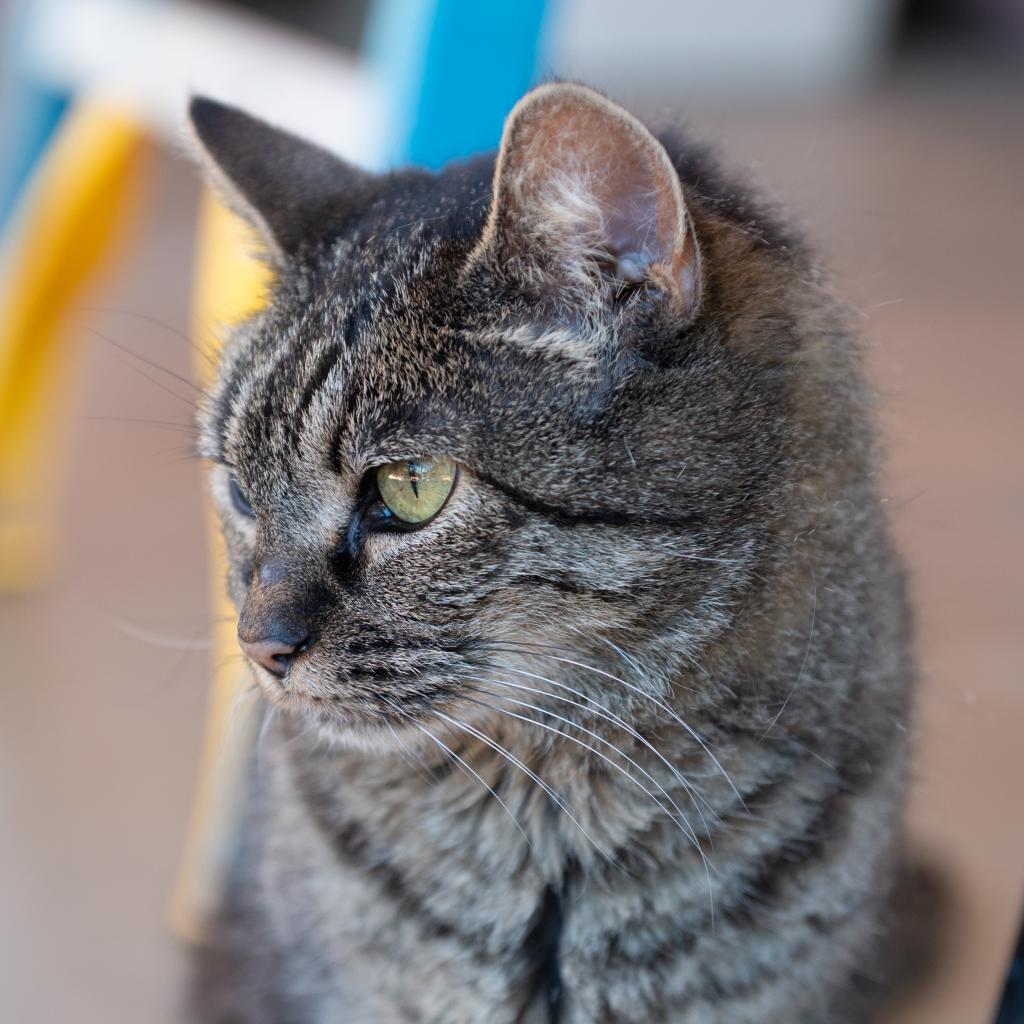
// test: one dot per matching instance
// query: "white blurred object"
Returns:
(660, 50)
(150, 56)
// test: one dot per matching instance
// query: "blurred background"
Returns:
(893, 130)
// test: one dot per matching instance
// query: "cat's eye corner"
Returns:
(239, 498)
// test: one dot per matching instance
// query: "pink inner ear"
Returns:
(589, 178)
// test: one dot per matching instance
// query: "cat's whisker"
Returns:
(687, 556)
(206, 353)
(269, 712)
(173, 425)
(645, 672)
(159, 639)
(409, 754)
(633, 662)
(698, 739)
(189, 454)
(476, 775)
(411, 757)
(803, 663)
(529, 646)
(161, 385)
(533, 776)
(687, 832)
(679, 816)
(594, 707)
(148, 362)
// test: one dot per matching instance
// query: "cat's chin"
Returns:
(370, 736)
(340, 726)
(365, 736)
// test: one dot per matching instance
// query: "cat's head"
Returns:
(515, 417)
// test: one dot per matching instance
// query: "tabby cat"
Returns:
(549, 488)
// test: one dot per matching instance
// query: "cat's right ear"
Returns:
(290, 190)
(587, 206)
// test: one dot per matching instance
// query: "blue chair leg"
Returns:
(452, 70)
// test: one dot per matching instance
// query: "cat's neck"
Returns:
(508, 797)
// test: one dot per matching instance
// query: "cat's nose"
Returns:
(274, 650)
(276, 621)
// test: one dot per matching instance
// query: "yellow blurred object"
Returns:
(81, 201)
(229, 284)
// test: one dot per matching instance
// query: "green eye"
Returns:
(415, 490)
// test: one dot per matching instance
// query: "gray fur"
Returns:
(663, 586)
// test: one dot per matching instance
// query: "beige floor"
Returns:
(917, 199)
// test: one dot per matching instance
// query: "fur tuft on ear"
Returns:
(586, 199)
(292, 191)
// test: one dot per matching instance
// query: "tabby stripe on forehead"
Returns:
(240, 382)
(343, 339)
(317, 379)
(243, 370)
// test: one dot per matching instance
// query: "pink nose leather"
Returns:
(273, 628)
(274, 655)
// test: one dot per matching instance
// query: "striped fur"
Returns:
(620, 736)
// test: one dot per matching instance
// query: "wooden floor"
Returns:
(917, 197)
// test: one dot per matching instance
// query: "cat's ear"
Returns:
(586, 200)
(290, 190)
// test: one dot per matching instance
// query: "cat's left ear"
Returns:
(290, 190)
(588, 204)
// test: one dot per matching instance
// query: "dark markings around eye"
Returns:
(566, 517)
